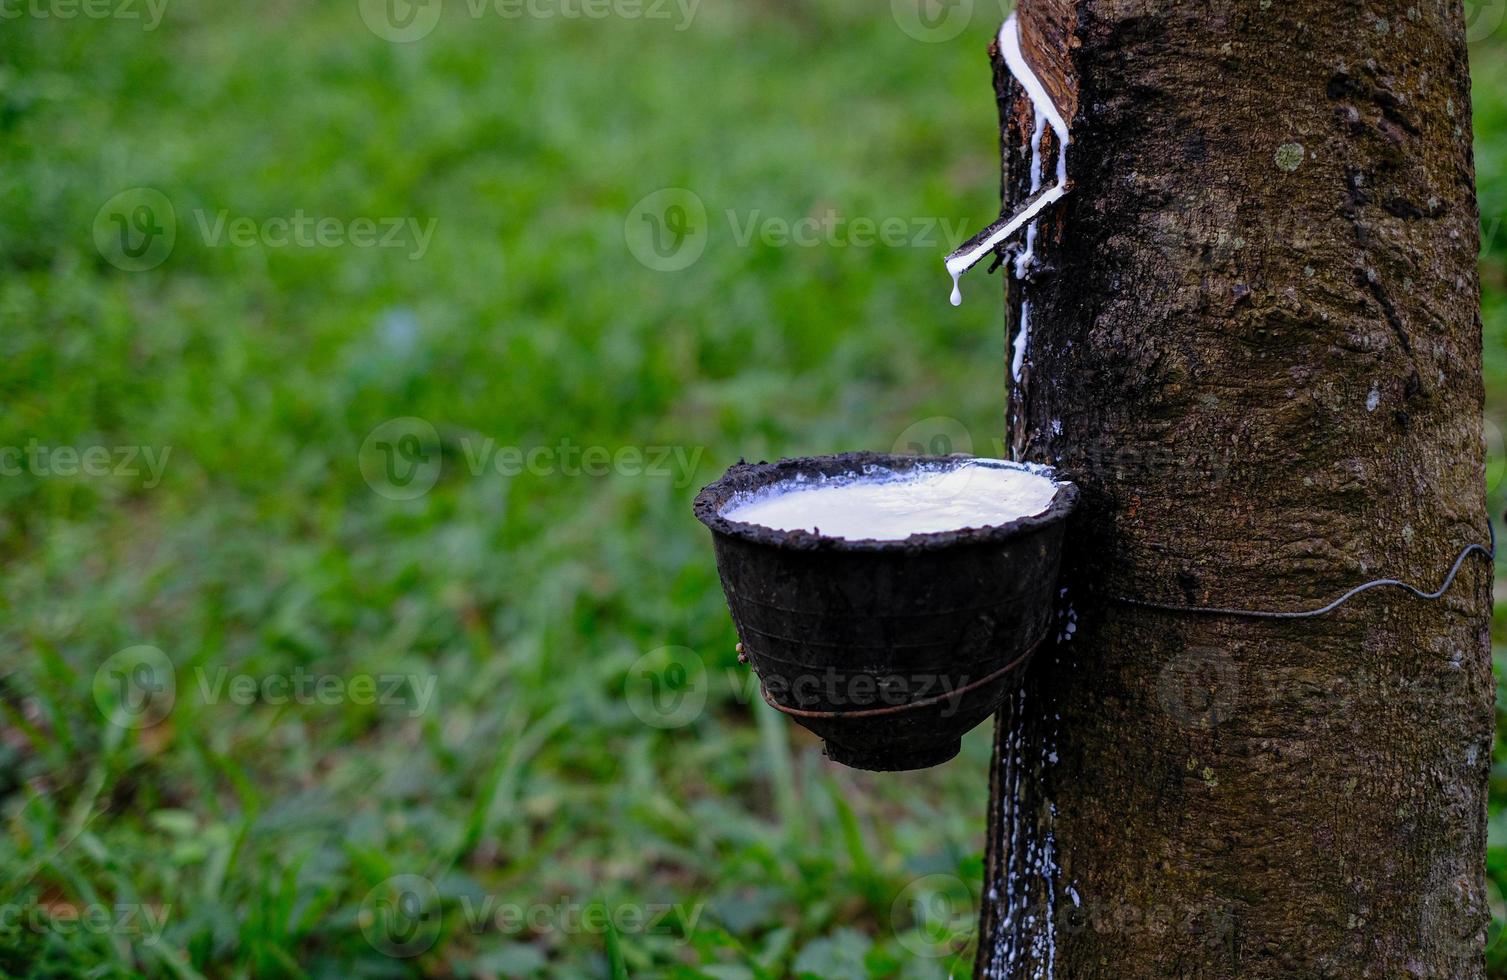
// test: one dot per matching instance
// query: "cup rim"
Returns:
(743, 477)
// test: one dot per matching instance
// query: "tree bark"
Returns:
(1255, 344)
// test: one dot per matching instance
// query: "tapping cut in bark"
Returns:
(1008, 47)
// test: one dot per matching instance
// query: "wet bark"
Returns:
(1255, 343)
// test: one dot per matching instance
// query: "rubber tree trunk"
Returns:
(1255, 343)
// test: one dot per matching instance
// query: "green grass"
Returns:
(266, 836)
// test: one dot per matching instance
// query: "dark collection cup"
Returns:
(890, 651)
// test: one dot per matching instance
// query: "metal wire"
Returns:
(898, 709)
(1490, 553)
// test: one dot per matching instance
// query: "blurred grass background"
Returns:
(267, 835)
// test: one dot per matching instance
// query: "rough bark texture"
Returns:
(1255, 344)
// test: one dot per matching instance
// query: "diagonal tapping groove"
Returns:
(975, 249)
